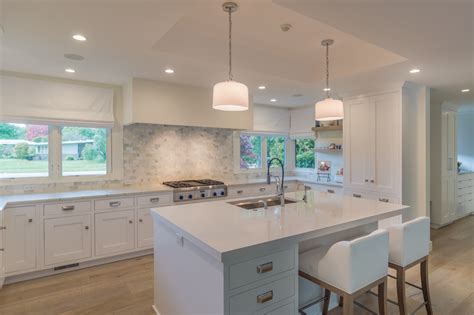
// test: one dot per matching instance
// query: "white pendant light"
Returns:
(230, 95)
(329, 108)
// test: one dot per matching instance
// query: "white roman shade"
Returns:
(53, 102)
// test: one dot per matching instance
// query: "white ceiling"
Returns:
(376, 42)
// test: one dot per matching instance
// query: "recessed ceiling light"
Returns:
(262, 87)
(73, 57)
(69, 70)
(465, 90)
(416, 70)
(297, 95)
(79, 37)
(327, 89)
(273, 100)
(169, 71)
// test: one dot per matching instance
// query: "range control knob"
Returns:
(222, 193)
(190, 196)
(203, 195)
(214, 194)
(181, 197)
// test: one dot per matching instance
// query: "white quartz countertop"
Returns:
(10, 200)
(238, 182)
(220, 228)
(18, 199)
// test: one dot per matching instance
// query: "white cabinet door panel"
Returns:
(114, 232)
(67, 239)
(2, 262)
(144, 228)
(387, 162)
(20, 236)
(358, 134)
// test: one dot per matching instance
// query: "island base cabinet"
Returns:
(114, 232)
(67, 239)
(2, 257)
(144, 228)
(20, 236)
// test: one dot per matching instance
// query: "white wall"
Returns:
(466, 140)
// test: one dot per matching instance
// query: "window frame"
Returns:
(114, 158)
(289, 162)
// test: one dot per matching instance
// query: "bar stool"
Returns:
(410, 246)
(349, 269)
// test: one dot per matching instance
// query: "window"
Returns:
(276, 148)
(55, 152)
(83, 151)
(257, 149)
(304, 154)
(250, 151)
(23, 150)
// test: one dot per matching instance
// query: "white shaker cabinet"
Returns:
(372, 143)
(114, 232)
(20, 236)
(144, 228)
(2, 249)
(67, 239)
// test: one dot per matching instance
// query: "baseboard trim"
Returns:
(82, 265)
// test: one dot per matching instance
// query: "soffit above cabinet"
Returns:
(156, 102)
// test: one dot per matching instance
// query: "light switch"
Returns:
(179, 239)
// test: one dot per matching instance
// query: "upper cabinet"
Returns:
(271, 119)
(301, 121)
(372, 143)
(155, 102)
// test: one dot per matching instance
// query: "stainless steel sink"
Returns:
(252, 204)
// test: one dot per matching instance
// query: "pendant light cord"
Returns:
(230, 45)
(327, 70)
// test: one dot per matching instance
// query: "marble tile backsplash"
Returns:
(156, 153)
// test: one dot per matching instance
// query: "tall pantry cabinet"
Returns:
(384, 148)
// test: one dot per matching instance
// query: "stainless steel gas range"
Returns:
(189, 190)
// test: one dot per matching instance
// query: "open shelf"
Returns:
(327, 128)
(323, 150)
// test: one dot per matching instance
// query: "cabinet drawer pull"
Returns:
(264, 268)
(114, 203)
(156, 199)
(331, 191)
(30, 220)
(265, 297)
(130, 221)
(372, 181)
(86, 227)
(383, 199)
(356, 195)
(140, 220)
(366, 180)
(67, 208)
(240, 191)
(2, 249)
(3, 228)
(262, 189)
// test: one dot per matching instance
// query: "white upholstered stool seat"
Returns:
(349, 268)
(410, 246)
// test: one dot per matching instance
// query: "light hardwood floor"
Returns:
(126, 287)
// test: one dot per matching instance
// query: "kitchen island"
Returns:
(218, 258)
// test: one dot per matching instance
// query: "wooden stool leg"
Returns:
(341, 301)
(401, 294)
(348, 307)
(425, 286)
(382, 293)
(327, 296)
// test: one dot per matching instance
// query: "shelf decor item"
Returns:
(329, 108)
(230, 95)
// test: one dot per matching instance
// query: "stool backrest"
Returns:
(409, 241)
(357, 263)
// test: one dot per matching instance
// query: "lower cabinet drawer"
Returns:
(65, 208)
(113, 203)
(260, 268)
(239, 191)
(155, 200)
(256, 299)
